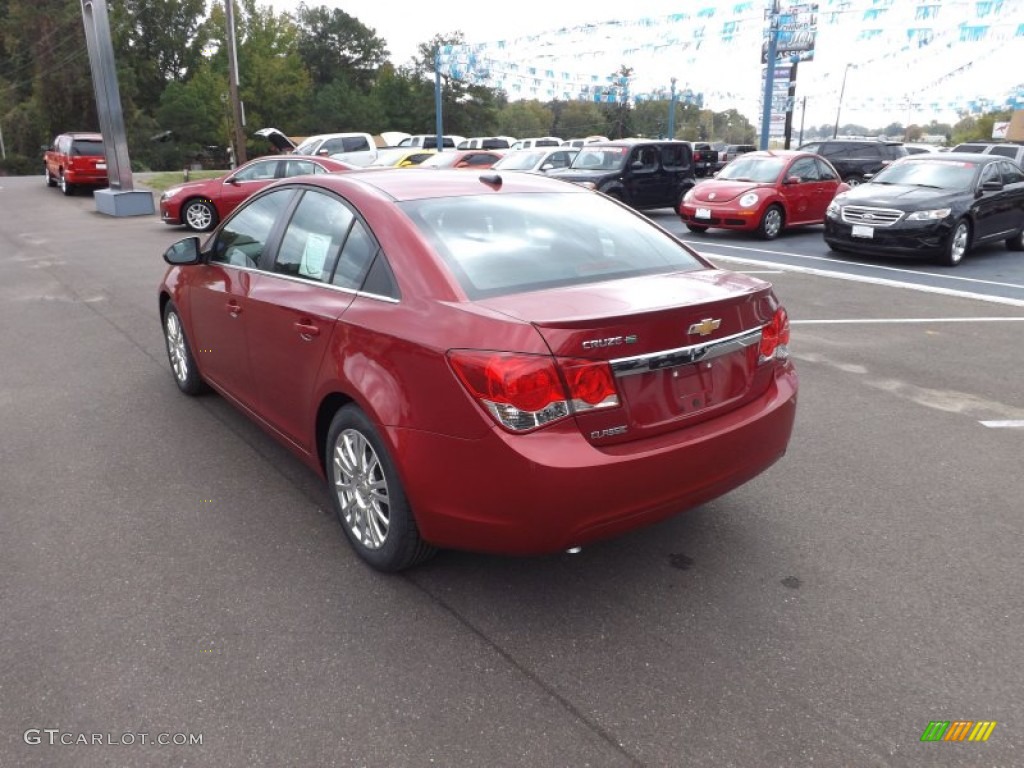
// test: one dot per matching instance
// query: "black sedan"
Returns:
(934, 205)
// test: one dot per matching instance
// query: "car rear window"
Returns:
(511, 243)
(87, 147)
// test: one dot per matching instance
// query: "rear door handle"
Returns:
(234, 309)
(306, 329)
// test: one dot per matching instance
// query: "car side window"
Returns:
(313, 237)
(355, 144)
(1011, 173)
(300, 167)
(648, 159)
(673, 156)
(244, 236)
(990, 173)
(258, 171)
(825, 172)
(1007, 151)
(804, 169)
(356, 255)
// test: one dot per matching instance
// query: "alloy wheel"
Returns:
(176, 346)
(362, 489)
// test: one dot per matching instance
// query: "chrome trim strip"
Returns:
(319, 284)
(673, 358)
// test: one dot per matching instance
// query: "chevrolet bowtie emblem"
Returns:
(704, 327)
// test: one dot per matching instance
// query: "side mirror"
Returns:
(992, 185)
(183, 252)
(791, 180)
(231, 180)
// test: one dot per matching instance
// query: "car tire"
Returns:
(1016, 243)
(65, 187)
(199, 215)
(368, 496)
(700, 230)
(957, 244)
(854, 181)
(772, 221)
(50, 181)
(179, 353)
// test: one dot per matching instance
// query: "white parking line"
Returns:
(882, 267)
(1012, 424)
(875, 280)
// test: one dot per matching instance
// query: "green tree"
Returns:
(579, 119)
(156, 43)
(525, 118)
(334, 45)
(46, 66)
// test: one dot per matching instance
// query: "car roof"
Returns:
(401, 184)
(87, 135)
(976, 158)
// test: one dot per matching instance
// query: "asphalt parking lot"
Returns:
(167, 569)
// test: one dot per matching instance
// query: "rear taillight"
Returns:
(523, 392)
(775, 337)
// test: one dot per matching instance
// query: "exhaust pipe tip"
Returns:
(573, 550)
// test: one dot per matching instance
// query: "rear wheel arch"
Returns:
(330, 405)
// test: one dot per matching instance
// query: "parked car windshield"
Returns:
(497, 245)
(762, 170)
(88, 147)
(940, 174)
(601, 158)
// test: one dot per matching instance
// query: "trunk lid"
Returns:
(683, 347)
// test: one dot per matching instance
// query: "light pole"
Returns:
(672, 111)
(842, 90)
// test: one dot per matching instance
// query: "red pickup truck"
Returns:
(76, 160)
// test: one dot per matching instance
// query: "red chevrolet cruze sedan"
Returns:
(199, 205)
(493, 362)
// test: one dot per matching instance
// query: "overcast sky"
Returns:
(947, 71)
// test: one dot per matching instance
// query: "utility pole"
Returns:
(769, 71)
(672, 112)
(237, 111)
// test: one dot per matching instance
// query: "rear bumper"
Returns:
(550, 490)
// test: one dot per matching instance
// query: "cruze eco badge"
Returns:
(611, 341)
(704, 327)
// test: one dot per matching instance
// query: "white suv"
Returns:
(1008, 149)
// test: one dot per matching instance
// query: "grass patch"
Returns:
(161, 181)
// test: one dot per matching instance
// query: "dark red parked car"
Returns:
(199, 205)
(503, 363)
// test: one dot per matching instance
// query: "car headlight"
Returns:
(834, 209)
(748, 200)
(933, 215)
(170, 193)
(688, 197)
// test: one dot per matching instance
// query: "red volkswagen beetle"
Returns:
(199, 205)
(764, 193)
(503, 363)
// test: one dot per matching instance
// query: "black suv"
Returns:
(639, 172)
(856, 159)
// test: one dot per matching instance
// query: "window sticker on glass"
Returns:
(314, 255)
